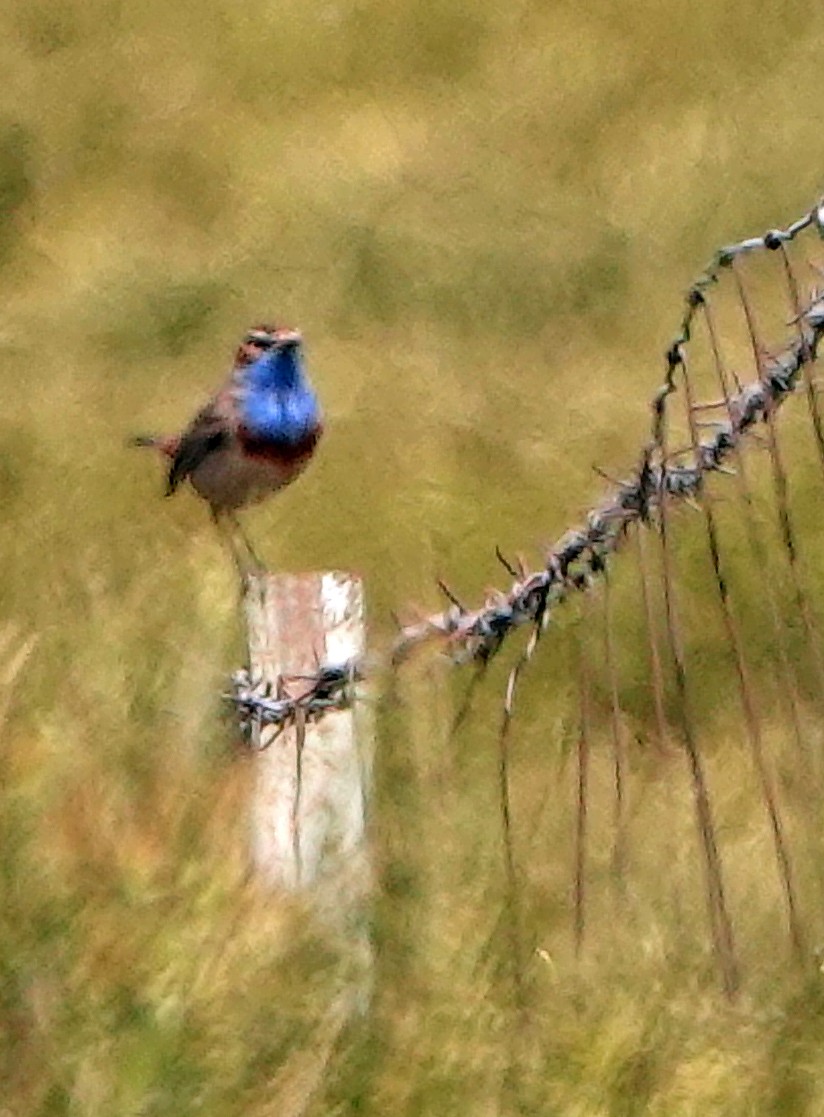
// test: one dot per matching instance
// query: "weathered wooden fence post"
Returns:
(311, 779)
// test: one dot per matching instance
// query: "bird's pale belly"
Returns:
(229, 479)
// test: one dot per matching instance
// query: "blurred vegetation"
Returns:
(483, 216)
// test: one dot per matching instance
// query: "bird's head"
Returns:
(275, 360)
(264, 339)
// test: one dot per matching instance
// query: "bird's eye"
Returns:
(260, 341)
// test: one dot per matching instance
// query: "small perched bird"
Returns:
(253, 437)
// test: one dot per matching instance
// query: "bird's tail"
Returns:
(144, 440)
(167, 444)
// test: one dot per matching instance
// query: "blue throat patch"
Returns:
(278, 404)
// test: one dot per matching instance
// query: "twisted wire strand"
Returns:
(258, 703)
(581, 553)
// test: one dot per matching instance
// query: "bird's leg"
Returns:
(254, 565)
(244, 558)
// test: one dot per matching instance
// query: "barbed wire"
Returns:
(259, 702)
(581, 554)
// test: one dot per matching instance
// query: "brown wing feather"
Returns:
(208, 432)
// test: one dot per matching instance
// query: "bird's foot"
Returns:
(249, 567)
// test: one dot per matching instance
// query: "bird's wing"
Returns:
(210, 429)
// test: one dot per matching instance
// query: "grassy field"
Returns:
(483, 217)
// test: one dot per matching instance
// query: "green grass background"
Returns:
(483, 216)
